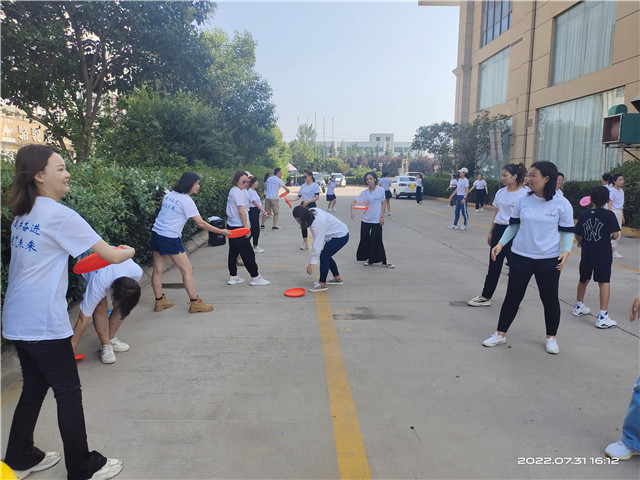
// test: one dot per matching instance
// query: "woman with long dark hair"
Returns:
(44, 233)
(534, 225)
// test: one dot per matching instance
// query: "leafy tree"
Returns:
(302, 147)
(436, 139)
(279, 154)
(472, 145)
(60, 59)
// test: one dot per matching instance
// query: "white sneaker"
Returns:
(552, 346)
(304, 246)
(494, 340)
(477, 210)
(581, 310)
(234, 280)
(479, 301)
(119, 346)
(110, 470)
(257, 249)
(452, 227)
(620, 451)
(49, 460)
(317, 287)
(605, 322)
(257, 281)
(464, 227)
(616, 255)
(106, 354)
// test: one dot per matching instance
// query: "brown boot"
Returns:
(199, 306)
(162, 304)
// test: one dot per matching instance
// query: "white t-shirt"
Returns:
(307, 192)
(253, 196)
(99, 282)
(35, 306)
(540, 221)
(505, 202)
(385, 182)
(324, 227)
(617, 198)
(559, 193)
(176, 209)
(480, 184)
(373, 202)
(453, 183)
(237, 198)
(418, 182)
(272, 187)
(331, 188)
(462, 186)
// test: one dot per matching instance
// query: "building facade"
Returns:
(555, 68)
(379, 144)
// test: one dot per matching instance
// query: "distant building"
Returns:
(379, 144)
(555, 68)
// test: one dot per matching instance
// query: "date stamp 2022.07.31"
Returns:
(567, 461)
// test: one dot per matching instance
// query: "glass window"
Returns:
(500, 143)
(569, 134)
(583, 40)
(496, 19)
(493, 78)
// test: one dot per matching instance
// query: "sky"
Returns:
(365, 67)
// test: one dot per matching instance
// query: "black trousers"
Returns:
(495, 267)
(418, 194)
(370, 247)
(547, 278)
(254, 220)
(452, 202)
(480, 194)
(241, 246)
(51, 363)
(305, 231)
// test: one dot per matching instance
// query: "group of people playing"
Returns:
(45, 233)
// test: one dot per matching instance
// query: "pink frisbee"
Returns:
(584, 201)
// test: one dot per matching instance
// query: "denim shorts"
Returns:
(166, 245)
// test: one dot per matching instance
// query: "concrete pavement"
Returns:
(384, 375)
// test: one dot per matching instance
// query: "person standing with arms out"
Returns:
(237, 217)
(308, 195)
(480, 186)
(419, 188)
(385, 183)
(461, 193)
(44, 234)
(255, 208)
(177, 208)
(594, 230)
(617, 204)
(329, 236)
(535, 222)
(453, 185)
(371, 248)
(505, 200)
(331, 194)
(271, 196)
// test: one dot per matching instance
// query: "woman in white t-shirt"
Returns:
(453, 185)
(371, 248)
(505, 200)
(308, 195)
(255, 209)
(419, 188)
(329, 236)
(120, 281)
(44, 234)
(534, 226)
(480, 186)
(616, 194)
(331, 194)
(238, 217)
(177, 208)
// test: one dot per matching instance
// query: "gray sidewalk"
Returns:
(242, 392)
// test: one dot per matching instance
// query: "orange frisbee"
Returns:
(239, 232)
(91, 263)
(80, 356)
(294, 292)
(360, 207)
(283, 194)
(288, 202)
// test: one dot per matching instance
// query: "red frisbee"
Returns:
(283, 194)
(288, 202)
(584, 201)
(80, 356)
(295, 292)
(239, 232)
(91, 263)
(360, 207)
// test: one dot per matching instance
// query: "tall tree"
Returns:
(302, 155)
(472, 145)
(436, 139)
(60, 59)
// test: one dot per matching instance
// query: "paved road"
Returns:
(383, 377)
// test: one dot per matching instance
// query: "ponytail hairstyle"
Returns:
(126, 294)
(607, 178)
(374, 175)
(252, 180)
(518, 170)
(305, 215)
(186, 182)
(547, 169)
(30, 160)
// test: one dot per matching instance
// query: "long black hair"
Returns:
(30, 160)
(126, 294)
(186, 182)
(547, 169)
(305, 216)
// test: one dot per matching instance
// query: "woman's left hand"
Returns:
(309, 269)
(563, 260)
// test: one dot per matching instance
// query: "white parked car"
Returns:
(319, 179)
(342, 182)
(403, 185)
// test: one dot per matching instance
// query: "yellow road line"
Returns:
(352, 457)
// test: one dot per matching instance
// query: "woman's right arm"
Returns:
(113, 255)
